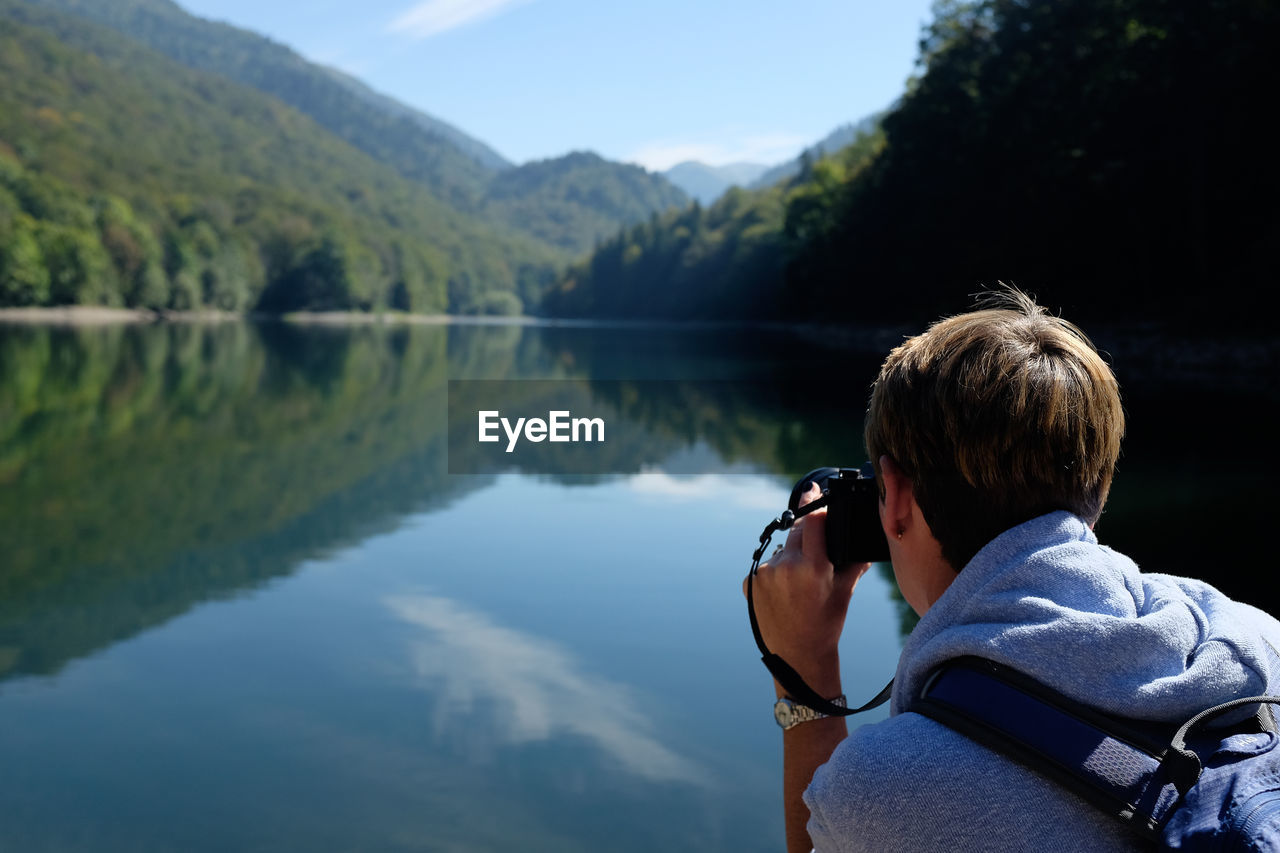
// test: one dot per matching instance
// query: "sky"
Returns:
(654, 82)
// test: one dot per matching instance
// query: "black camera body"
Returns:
(854, 532)
(854, 535)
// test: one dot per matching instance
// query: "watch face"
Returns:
(783, 712)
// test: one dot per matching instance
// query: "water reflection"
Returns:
(297, 476)
(145, 469)
(521, 688)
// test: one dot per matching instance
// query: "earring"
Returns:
(900, 532)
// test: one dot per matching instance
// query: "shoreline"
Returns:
(1152, 348)
(91, 315)
(94, 315)
(1145, 353)
(88, 315)
(75, 315)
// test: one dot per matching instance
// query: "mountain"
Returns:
(841, 137)
(458, 169)
(128, 178)
(398, 140)
(708, 183)
(725, 261)
(586, 196)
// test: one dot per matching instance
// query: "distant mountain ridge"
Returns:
(719, 262)
(841, 137)
(708, 183)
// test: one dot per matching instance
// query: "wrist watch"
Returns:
(790, 713)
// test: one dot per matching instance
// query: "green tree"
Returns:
(226, 282)
(135, 253)
(24, 278)
(80, 270)
(318, 280)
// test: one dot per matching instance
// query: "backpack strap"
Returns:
(1183, 763)
(1111, 763)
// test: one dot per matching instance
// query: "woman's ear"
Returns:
(895, 512)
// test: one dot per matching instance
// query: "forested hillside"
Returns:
(568, 202)
(420, 152)
(1106, 154)
(842, 137)
(221, 170)
(126, 178)
(575, 201)
(723, 262)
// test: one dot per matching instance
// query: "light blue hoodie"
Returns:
(1047, 599)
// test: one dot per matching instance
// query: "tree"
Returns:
(80, 271)
(24, 278)
(319, 280)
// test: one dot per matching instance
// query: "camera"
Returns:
(854, 532)
(854, 535)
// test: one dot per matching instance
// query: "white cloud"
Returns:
(433, 17)
(530, 687)
(766, 148)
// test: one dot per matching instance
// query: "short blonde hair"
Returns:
(997, 416)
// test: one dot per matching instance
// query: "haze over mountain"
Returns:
(841, 137)
(708, 183)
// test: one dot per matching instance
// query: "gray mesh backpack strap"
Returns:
(1194, 788)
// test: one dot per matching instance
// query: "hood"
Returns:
(1045, 598)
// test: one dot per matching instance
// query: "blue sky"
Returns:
(652, 82)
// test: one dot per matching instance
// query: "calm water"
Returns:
(244, 606)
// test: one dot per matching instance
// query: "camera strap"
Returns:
(786, 675)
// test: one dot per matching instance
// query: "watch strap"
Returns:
(789, 713)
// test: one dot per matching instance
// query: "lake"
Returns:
(245, 605)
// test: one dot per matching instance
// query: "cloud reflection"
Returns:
(533, 687)
(739, 490)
